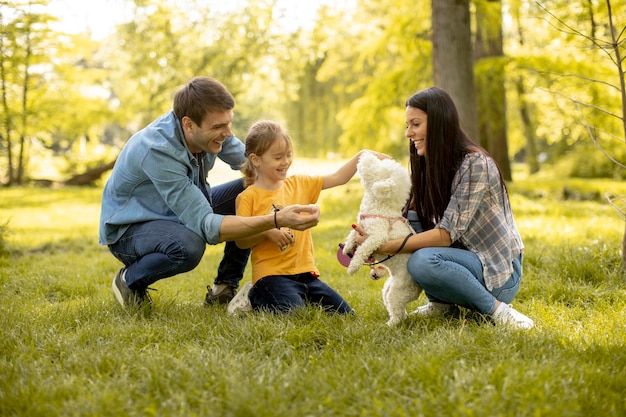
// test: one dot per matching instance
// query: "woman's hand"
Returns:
(361, 236)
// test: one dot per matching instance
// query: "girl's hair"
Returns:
(446, 147)
(200, 96)
(261, 136)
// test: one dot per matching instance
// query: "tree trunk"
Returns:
(624, 250)
(490, 79)
(8, 118)
(529, 128)
(453, 65)
(90, 176)
(24, 118)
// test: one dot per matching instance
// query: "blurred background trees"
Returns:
(71, 100)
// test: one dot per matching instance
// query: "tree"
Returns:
(489, 67)
(453, 63)
(526, 107)
(164, 46)
(610, 41)
(24, 40)
(379, 55)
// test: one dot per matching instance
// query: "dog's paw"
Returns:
(352, 269)
(348, 251)
(395, 320)
(378, 272)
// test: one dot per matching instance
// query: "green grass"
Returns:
(67, 348)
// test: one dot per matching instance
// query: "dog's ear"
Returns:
(367, 167)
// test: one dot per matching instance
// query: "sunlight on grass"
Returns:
(67, 348)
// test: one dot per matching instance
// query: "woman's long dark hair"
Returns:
(446, 146)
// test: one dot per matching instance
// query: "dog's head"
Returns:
(386, 181)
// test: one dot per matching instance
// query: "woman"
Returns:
(468, 251)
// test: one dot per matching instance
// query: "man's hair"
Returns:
(200, 96)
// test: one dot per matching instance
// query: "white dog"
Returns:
(386, 189)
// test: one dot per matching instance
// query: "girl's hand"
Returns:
(379, 155)
(283, 238)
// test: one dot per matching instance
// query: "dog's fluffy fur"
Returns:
(386, 189)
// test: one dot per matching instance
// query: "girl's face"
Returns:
(416, 129)
(275, 162)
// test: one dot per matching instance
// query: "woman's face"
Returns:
(416, 129)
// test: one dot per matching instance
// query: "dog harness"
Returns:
(391, 220)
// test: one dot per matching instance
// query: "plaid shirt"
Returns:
(479, 216)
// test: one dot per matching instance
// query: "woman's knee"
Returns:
(420, 267)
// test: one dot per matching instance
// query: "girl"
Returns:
(284, 275)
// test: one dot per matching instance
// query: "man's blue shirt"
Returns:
(155, 177)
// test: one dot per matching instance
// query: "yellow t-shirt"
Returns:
(267, 259)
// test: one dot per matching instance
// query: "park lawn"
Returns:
(68, 349)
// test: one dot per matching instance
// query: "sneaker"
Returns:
(223, 297)
(507, 315)
(124, 295)
(433, 309)
(240, 302)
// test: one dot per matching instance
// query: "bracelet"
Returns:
(276, 209)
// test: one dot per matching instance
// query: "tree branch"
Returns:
(582, 77)
(606, 48)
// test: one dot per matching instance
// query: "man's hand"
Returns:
(298, 217)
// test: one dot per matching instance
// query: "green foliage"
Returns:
(25, 41)
(391, 61)
(574, 83)
(67, 348)
(4, 233)
(339, 86)
(589, 162)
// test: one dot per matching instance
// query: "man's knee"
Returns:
(195, 250)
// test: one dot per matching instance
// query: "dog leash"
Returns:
(393, 254)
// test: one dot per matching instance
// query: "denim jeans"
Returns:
(455, 276)
(282, 294)
(160, 249)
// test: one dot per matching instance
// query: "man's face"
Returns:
(210, 135)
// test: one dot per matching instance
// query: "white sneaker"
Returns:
(435, 309)
(507, 315)
(240, 302)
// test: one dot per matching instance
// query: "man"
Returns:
(158, 212)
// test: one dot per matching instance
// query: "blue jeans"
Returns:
(283, 293)
(455, 276)
(160, 249)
